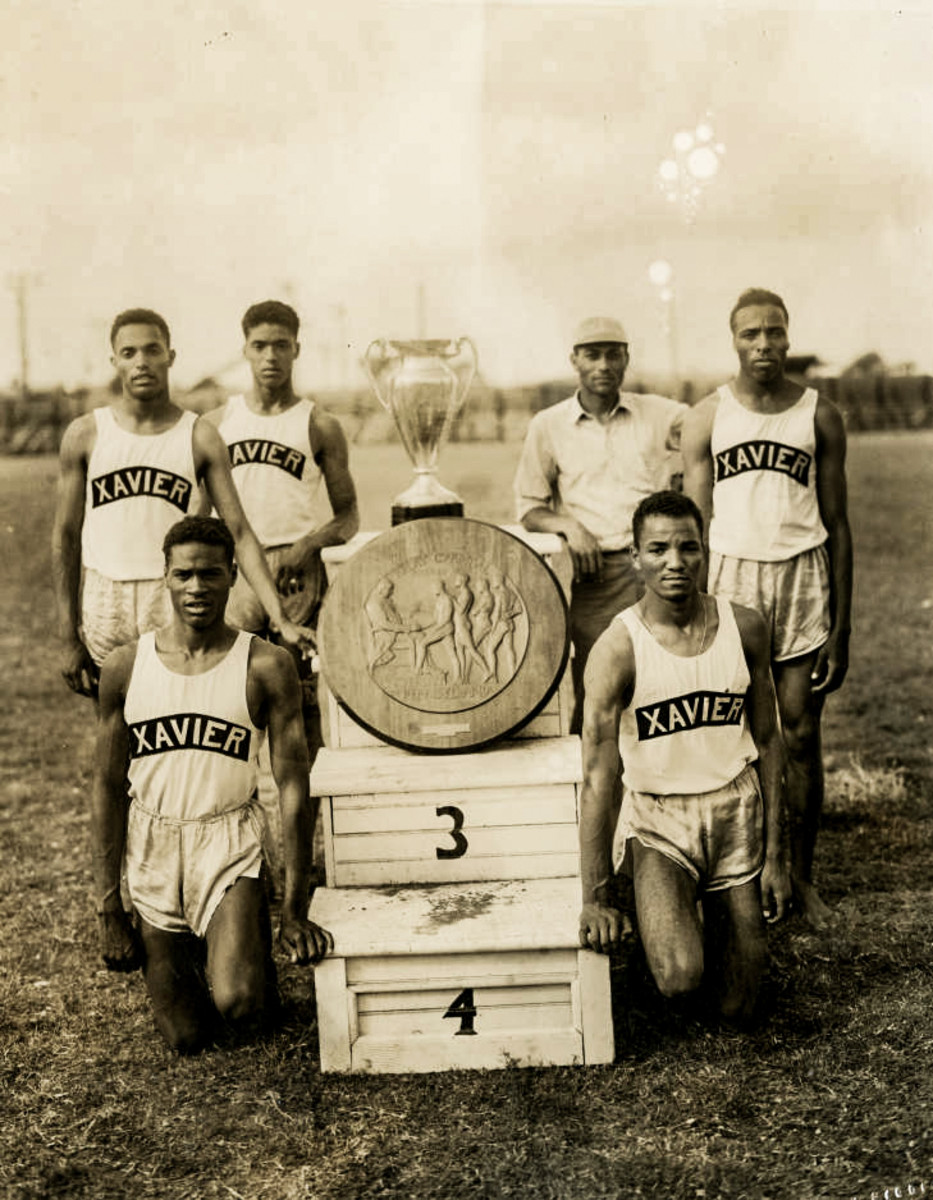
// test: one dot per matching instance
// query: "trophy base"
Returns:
(425, 498)
(402, 511)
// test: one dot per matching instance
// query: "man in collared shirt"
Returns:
(585, 465)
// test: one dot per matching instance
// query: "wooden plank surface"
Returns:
(543, 804)
(333, 1007)
(462, 870)
(493, 969)
(378, 769)
(428, 1012)
(595, 1002)
(458, 918)
(508, 1048)
(418, 845)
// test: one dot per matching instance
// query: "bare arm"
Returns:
(761, 709)
(610, 676)
(832, 661)
(698, 463)
(537, 490)
(280, 699)
(332, 456)
(78, 668)
(213, 466)
(118, 942)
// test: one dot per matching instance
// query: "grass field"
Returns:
(832, 1098)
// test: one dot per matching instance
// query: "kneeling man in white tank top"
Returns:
(679, 687)
(183, 713)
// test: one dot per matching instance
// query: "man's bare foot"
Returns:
(811, 907)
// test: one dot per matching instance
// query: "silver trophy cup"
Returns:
(423, 385)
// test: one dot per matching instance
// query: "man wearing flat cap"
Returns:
(585, 465)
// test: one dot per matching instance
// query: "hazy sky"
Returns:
(490, 168)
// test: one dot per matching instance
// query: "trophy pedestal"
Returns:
(425, 498)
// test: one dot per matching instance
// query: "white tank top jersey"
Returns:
(273, 469)
(138, 486)
(686, 730)
(193, 746)
(765, 503)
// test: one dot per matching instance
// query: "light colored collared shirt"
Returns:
(597, 472)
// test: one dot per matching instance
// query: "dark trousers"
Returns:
(593, 604)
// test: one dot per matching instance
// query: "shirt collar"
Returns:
(623, 404)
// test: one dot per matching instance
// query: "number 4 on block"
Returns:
(464, 1008)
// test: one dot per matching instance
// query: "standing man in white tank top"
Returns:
(182, 714)
(127, 473)
(282, 447)
(764, 458)
(679, 687)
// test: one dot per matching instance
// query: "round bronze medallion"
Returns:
(443, 634)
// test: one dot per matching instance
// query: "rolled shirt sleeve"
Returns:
(535, 484)
(597, 472)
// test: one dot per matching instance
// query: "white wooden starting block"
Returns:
(392, 817)
(453, 896)
(460, 976)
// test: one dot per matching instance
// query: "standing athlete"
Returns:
(182, 714)
(128, 472)
(764, 458)
(680, 685)
(585, 465)
(281, 448)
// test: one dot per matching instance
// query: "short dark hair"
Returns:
(139, 316)
(271, 312)
(757, 296)
(208, 531)
(664, 504)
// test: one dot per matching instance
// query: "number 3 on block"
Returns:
(464, 1008)
(459, 847)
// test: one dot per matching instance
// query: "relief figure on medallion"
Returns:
(498, 645)
(385, 624)
(467, 654)
(439, 633)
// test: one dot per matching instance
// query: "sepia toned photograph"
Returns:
(465, 476)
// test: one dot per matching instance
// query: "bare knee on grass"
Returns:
(181, 1004)
(239, 954)
(738, 947)
(665, 901)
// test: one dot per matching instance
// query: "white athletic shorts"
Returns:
(117, 611)
(716, 837)
(177, 872)
(301, 606)
(792, 596)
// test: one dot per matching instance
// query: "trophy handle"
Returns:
(375, 357)
(463, 365)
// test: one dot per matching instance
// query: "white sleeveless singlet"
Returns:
(273, 469)
(765, 504)
(193, 747)
(685, 730)
(138, 486)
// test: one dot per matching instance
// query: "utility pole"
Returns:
(19, 284)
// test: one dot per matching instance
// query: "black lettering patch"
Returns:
(691, 711)
(189, 731)
(273, 454)
(763, 455)
(141, 481)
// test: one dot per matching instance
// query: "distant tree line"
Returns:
(868, 400)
